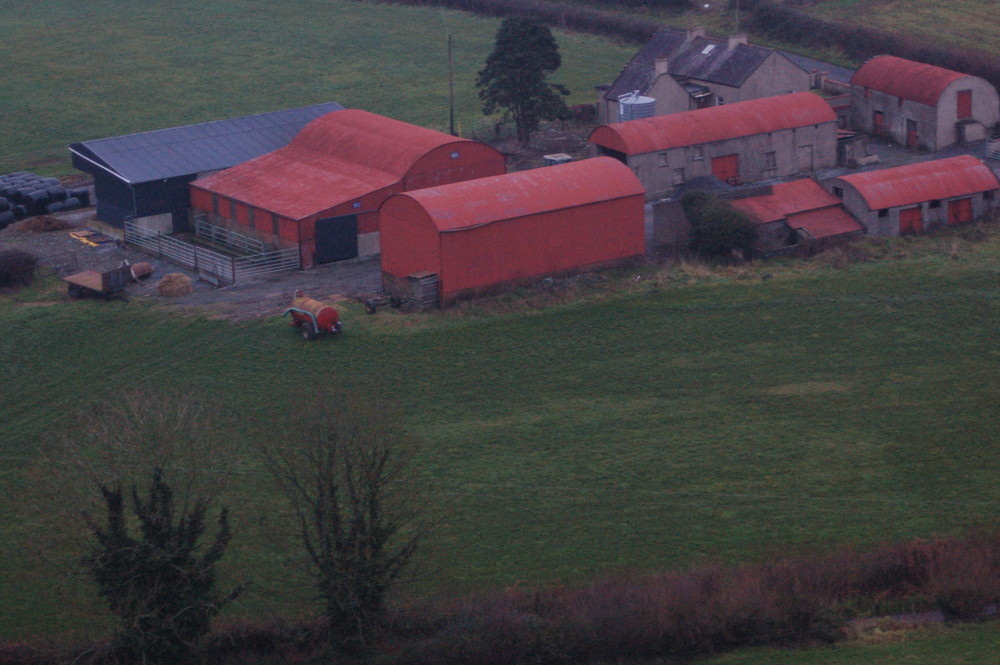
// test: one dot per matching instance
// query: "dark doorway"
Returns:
(336, 238)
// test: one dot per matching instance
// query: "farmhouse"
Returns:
(912, 198)
(682, 71)
(749, 141)
(322, 191)
(797, 213)
(480, 236)
(920, 105)
(143, 178)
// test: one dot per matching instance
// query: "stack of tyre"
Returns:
(24, 194)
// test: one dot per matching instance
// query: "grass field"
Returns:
(677, 419)
(77, 71)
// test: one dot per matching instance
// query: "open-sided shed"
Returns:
(482, 235)
(322, 191)
(915, 197)
(143, 178)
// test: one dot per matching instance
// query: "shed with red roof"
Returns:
(915, 197)
(796, 213)
(749, 141)
(480, 236)
(322, 191)
(920, 105)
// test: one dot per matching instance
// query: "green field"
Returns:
(669, 421)
(76, 71)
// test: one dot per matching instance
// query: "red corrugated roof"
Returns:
(916, 81)
(718, 123)
(925, 181)
(785, 199)
(336, 158)
(474, 203)
(825, 222)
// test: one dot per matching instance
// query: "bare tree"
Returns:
(346, 472)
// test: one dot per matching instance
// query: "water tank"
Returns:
(634, 106)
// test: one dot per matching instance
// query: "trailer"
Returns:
(313, 317)
(93, 284)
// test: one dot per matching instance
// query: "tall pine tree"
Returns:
(514, 78)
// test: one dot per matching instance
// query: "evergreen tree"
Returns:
(514, 79)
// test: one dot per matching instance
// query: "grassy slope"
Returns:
(75, 71)
(652, 428)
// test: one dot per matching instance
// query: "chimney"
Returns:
(736, 40)
(694, 33)
(660, 66)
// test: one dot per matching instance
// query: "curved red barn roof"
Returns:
(474, 203)
(337, 157)
(925, 181)
(906, 79)
(718, 123)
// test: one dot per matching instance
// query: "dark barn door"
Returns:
(336, 238)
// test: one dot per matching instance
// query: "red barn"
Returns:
(322, 191)
(481, 235)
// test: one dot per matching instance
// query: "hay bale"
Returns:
(174, 284)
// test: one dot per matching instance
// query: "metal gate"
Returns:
(336, 238)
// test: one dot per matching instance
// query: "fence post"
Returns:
(232, 264)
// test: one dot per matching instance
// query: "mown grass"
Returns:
(653, 423)
(83, 71)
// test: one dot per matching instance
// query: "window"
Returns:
(697, 153)
(274, 224)
(678, 176)
(770, 160)
(838, 192)
(936, 203)
(884, 212)
(988, 196)
(719, 101)
(662, 159)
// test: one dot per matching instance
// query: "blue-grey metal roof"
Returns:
(193, 149)
(834, 72)
(707, 59)
(638, 73)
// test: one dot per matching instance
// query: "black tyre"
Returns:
(370, 307)
(308, 331)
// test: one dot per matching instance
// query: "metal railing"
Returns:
(210, 265)
(226, 237)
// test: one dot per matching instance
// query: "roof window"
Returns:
(708, 49)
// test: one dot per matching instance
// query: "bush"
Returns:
(717, 229)
(17, 268)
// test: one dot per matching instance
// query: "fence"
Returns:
(210, 265)
(221, 235)
(992, 148)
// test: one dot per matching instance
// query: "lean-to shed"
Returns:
(322, 191)
(920, 105)
(744, 142)
(482, 235)
(143, 178)
(915, 197)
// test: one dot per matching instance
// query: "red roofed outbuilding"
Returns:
(915, 197)
(796, 213)
(748, 141)
(920, 105)
(322, 191)
(480, 236)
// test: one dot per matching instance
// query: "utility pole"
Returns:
(451, 89)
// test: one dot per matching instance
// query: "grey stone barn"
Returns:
(750, 141)
(916, 197)
(684, 71)
(920, 105)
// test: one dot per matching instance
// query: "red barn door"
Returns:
(960, 211)
(878, 123)
(964, 104)
(726, 168)
(911, 220)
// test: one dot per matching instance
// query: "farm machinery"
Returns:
(313, 317)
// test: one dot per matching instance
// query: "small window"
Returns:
(719, 101)
(356, 205)
(662, 159)
(274, 224)
(884, 212)
(454, 155)
(770, 160)
(678, 176)
(988, 196)
(838, 192)
(697, 153)
(936, 203)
